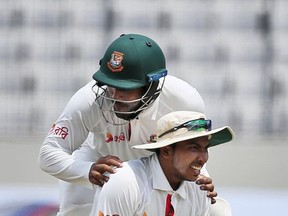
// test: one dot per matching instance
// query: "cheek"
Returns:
(207, 157)
(183, 161)
(131, 97)
(110, 92)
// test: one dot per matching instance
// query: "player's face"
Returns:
(125, 99)
(187, 159)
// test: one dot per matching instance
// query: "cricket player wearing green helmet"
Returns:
(131, 62)
(118, 109)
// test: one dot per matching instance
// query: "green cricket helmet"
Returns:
(131, 61)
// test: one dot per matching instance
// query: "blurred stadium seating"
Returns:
(235, 52)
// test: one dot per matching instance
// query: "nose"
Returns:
(116, 93)
(203, 157)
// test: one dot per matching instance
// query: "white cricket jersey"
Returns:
(81, 135)
(140, 188)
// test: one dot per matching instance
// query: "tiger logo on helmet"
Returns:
(115, 62)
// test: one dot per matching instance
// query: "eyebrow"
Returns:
(197, 144)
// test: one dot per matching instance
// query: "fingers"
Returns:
(96, 174)
(110, 160)
(203, 180)
(207, 185)
(96, 181)
(213, 200)
(104, 165)
(212, 196)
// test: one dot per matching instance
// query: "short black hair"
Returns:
(173, 145)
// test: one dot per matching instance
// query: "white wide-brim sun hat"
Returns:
(185, 125)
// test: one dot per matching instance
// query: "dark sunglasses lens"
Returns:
(199, 125)
(209, 124)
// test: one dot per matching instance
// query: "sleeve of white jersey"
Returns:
(119, 196)
(67, 134)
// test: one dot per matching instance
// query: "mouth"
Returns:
(118, 106)
(196, 169)
(125, 107)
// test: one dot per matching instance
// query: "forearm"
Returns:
(69, 133)
(62, 165)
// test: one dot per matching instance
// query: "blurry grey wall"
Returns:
(235, 52)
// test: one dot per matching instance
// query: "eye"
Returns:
(193, 147)
(111, 90)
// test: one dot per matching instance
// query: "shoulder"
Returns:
(124, 178)
(179, 95)
(133, 174)
(121, 185)
(174, 83)
(120, 195)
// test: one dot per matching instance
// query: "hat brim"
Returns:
(103, 79)
(218, 136)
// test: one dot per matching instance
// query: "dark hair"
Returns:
(172, 145)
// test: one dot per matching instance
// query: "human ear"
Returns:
(166, 151)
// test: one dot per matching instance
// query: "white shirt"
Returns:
(140, 188)
(81, 135)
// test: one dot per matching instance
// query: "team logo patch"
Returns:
(115, 63)
(153, 138)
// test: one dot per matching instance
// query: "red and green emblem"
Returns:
(115, 63)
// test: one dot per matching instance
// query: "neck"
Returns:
(171, 178)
